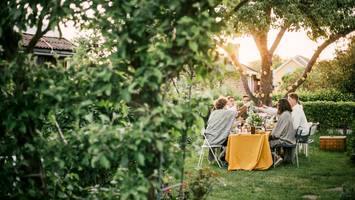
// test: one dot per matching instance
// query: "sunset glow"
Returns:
(292, 44)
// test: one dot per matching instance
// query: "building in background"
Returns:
(48, 47)
(288, 67)
(233, 81)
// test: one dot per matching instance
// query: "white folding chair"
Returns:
(313, 128)
(206, 145)
(305, 142)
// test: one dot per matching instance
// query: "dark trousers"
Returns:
(218, 152)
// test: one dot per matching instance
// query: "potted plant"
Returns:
(253, 120)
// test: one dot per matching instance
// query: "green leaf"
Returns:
(193, 45)
(160, 145)
(140, 159)
(104, 162)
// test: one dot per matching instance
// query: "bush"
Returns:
(202, 183)
(351, 144)
(348, 191)
(98, 128)
(320, 95)
(331, 114)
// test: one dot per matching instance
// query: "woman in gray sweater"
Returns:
(284, 131)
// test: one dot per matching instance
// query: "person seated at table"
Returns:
(284, 131)
(243, 110)
(231, 103)
(298, 117)
(220, 123)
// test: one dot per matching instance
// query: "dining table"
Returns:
(248, 151)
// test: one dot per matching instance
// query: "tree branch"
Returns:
(175, 86)
(59, 131)
(235, 9)
(60, 31)
(278, 39)
(240, 4)
(312, 61)
(238, 66)
(39, 33)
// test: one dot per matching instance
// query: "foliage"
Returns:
(334, 74)
(253, 118)
(351, 144)
(320, 95)
(197, 186)
(339, 73)
(330, 114)
(203, 183)
(89, 49)
(99, 129)
(310, 84)
(323, 19)
(348, 191)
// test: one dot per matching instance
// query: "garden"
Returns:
(120, 115)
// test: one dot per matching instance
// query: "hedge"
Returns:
(328, 113)
(331, 114)
(320, 95)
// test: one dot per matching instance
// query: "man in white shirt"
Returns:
(298, 117)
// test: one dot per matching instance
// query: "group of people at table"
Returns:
(225, 115)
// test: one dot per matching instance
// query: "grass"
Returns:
(321, 175)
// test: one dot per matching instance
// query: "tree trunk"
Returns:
(243, 78)
(233, 55)
(266, 86)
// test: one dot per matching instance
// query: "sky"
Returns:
(292, 44)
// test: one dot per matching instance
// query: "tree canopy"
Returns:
(322, 19)
(99, 128)
(333, 74)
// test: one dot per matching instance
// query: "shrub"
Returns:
(99, 128)
(348, 191)
(331, 114)
(320, 95)
(202, 183)
(351, 144)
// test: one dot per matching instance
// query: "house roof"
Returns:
(51, 43)
(249, 70)
(255, 67)
(301, 60)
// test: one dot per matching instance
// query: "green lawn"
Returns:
(321, 175)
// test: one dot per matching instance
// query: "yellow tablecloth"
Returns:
(248, 152)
